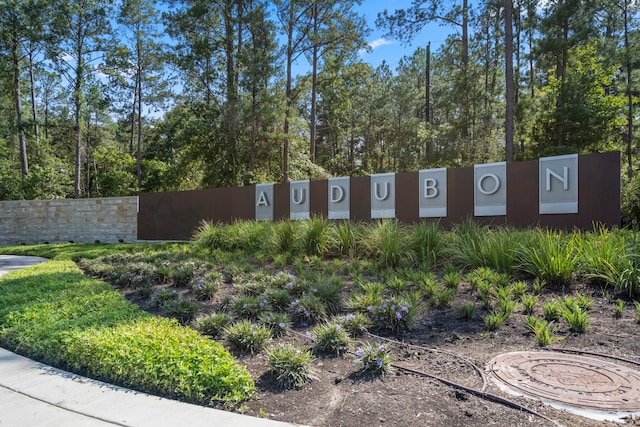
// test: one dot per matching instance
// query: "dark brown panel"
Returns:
(407, 203)
(522, 193)
(281, 201)
(176, 215)
(319, 201)
(360, 203)
(459, 194)
(243, 203)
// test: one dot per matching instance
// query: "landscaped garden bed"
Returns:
(346, 324)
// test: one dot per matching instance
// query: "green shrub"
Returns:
(315, 237)
(426, 243)
(204, 287)
(376, 359)
(452, 279)
(443, 297)
(330, 294)
(342, 239)
(247, 337)
(506, 307)
(157, 356)
(519, 289)
(619, 308)
(384, 241)
(331, 338)
(278, 299)
(213, 324)
(291, 365)
(542, 330)
(636, 314)
(182, 273)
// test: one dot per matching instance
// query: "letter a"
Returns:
(262, 199)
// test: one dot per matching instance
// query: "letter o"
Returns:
(492, 190)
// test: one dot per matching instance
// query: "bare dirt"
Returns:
(439, 350)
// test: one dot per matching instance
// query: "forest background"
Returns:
(101, 98)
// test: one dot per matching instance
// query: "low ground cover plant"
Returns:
(53, 313)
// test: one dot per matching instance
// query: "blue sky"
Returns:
(392, 50)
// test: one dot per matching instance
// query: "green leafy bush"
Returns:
(158, 356)
(577, 319)
(53, 313)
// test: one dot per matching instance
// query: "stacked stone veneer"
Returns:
(108, 220)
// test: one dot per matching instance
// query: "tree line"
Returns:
(102, 98)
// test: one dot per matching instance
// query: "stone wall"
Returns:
(108, 220)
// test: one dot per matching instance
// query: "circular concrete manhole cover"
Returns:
(570, 381)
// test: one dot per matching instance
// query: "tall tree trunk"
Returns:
(288, 95)
(510, 106)
(314, 86)
(22, 142)
(132, 128)
(465, 68)
(77, 100)
(34, 107)
(230, 116)
(629, 93)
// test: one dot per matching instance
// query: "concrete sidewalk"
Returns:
(14, 262)
(33, 394)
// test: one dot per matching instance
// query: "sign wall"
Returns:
(561, 192)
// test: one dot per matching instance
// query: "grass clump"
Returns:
(291, 365)
(375, 359)
(247, 337)
(465, 311)
(213, 324)
(331, 338)
(578, 319)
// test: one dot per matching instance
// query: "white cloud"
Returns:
(379, 42)
(374, 45)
